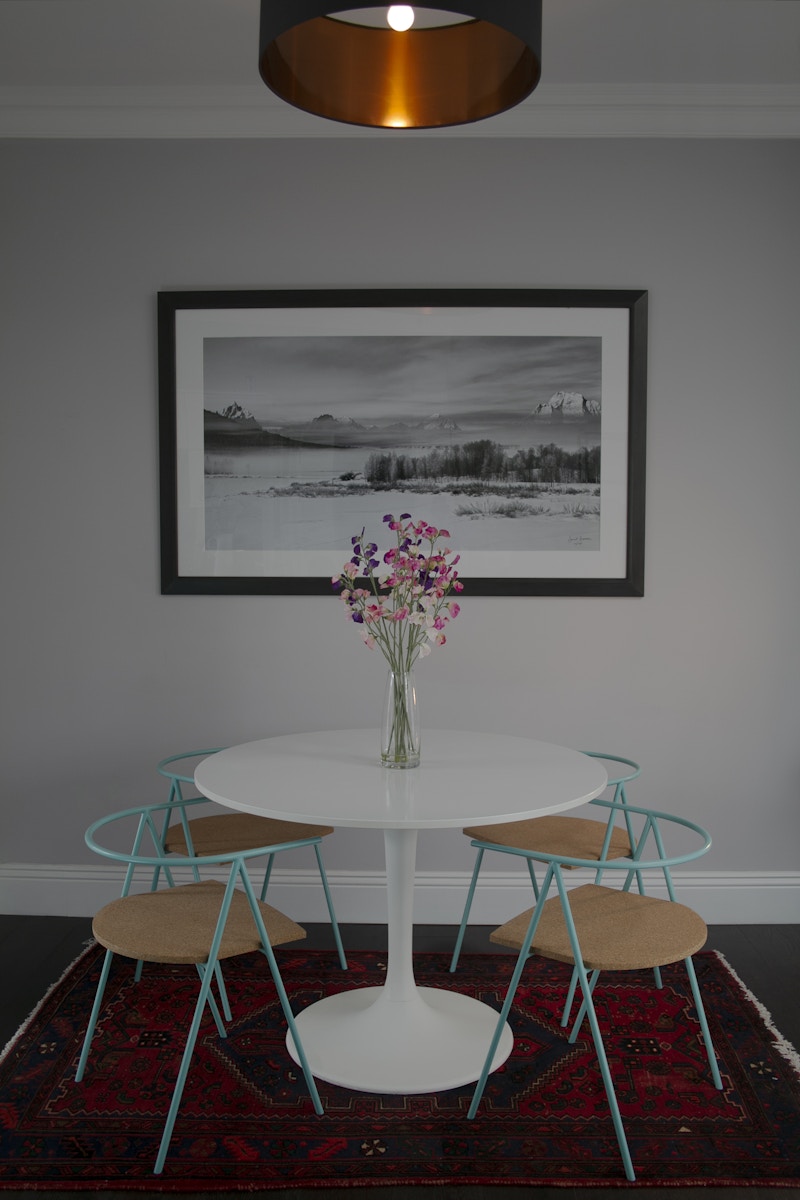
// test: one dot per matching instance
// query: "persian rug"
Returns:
(246, 1123)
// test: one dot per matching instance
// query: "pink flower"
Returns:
(413, 594)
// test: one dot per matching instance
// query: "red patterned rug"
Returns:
(246, 1123)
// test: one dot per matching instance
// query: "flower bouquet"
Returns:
(404, 614)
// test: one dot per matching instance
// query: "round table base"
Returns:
(429, 1041)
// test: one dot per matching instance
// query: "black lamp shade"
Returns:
(422, 78)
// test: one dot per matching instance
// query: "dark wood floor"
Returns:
(36, 950)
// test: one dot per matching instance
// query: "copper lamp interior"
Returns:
(329, 64)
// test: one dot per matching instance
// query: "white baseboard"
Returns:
(721, 898)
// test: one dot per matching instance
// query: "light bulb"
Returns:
(400, 17)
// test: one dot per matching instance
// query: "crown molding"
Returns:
(554, 111)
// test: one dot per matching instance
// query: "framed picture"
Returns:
(292, 420)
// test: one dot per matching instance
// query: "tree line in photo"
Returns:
(488, 461)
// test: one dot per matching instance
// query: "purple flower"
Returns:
(403, 610)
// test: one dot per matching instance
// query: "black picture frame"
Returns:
(192, 325)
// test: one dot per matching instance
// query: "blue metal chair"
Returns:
(197, 923)
(221, 832)
(601, 928)
(577, 836)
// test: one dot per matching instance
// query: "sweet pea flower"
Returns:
(403, 612)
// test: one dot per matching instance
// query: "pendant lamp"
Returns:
(455, 64)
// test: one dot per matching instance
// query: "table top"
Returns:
(335, 778)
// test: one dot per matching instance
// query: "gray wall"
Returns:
(102, 676)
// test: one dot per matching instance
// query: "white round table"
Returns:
(399, 1038)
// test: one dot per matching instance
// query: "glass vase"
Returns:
(400, 724)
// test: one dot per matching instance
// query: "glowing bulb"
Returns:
(400, 17)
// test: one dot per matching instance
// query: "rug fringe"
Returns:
(88, 945)
(782, 1044)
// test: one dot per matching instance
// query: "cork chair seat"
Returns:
(176, 925)
(197, 923)
(577, 837)
(597, 927)
(617, 931)
(220, 833)
(571, 837)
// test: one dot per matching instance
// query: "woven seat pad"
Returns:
(176, 925)
(574, 837)
(617, 931)
(238, 831)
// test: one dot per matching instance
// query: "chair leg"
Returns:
(207, 973)
(701, 1016)
(608, 1082)
(588, 1006)
(266, 947)
(223, 994)
(177, 1092)
(311, 1083)
(522, 958)
(212, 1004)
(98, 1000)
(267, 874)
(498, 1029)
(573, 983)
(532, 874)
(582, 1010)
(467, 906)
(329, 901)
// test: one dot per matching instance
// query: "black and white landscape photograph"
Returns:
(497, 439)
(292, 421)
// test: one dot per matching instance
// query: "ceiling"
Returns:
(188, 68)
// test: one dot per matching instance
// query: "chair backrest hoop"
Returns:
(621, 776)
(652, 820)
(179, 776)
(168, 859)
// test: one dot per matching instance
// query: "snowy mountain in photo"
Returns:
(243, 418)
(440, 422)
(329, 422)
(567, 404)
